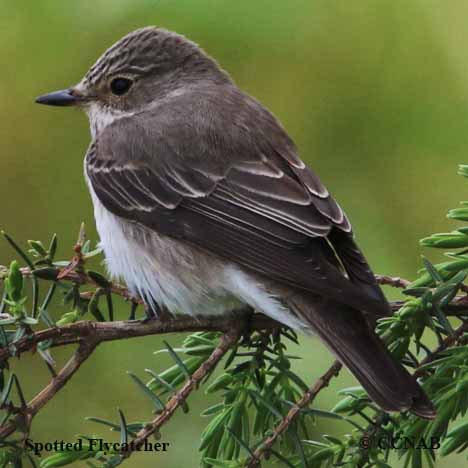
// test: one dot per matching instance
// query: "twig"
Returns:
(445, 343)
(395, 282)
(227, 340)
(24, 418)
(83, 278)
(307, 398)
(457, 308)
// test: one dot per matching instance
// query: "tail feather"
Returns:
(347, 333)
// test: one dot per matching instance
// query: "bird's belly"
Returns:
(180, 277)
(161, 270)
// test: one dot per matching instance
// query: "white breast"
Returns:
(151, 266)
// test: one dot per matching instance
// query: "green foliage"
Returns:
(258, 385)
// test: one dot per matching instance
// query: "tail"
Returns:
(347, 333)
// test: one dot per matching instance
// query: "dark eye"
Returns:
(120, 86)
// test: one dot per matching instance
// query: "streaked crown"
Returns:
(152, 51)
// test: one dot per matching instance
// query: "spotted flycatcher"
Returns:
(202, 204)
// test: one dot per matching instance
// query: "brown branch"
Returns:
(227, 340)
(395, 282)
(109, 331)
(91, 334)
(118, 330)
(307, 398)
(25, 416)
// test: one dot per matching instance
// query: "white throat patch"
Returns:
(101, 116)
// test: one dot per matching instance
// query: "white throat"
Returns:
(101, 116)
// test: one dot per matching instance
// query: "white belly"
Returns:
(179, 277)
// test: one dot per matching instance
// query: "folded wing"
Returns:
(249, 200)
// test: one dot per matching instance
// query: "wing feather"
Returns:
(249, 200)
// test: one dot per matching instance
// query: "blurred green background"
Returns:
(374, 92)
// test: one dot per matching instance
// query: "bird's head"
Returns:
(143, 67)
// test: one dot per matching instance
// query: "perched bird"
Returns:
(202, 203)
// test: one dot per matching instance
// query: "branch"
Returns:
(118, 330)
(90, 334)
(227, 340)
(82, 278)
(307, 398)
(25, 416)
(448, 341)
(109, 331)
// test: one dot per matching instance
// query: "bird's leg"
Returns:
(133, 309)
(163, 314)
(156, 311)
(247, 313)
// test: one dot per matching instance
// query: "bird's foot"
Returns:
(246, 337)
(156, 312)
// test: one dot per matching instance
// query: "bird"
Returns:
(202, 205)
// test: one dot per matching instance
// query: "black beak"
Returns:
(65, 97)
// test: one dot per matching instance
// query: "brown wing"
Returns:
(231, 183)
